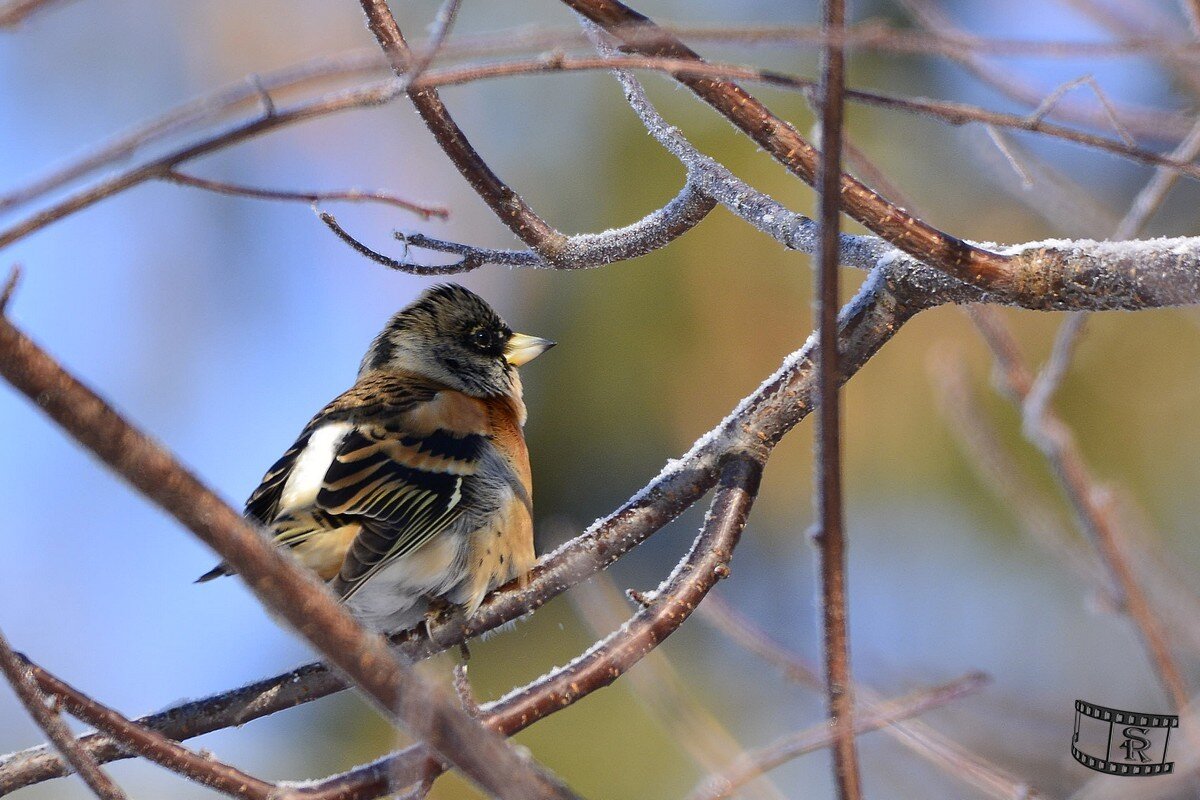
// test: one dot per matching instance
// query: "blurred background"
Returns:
(220, 324)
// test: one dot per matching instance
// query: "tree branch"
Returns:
(1046, 431)
(964, 261)
(505, 203)
(581, 251)
(661, 690)
(152, 745)
(916, 735)
(16, 670)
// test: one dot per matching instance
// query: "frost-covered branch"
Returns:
(580, 251)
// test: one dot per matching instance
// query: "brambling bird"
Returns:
(414, 485)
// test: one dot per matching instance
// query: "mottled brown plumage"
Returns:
(415, 483)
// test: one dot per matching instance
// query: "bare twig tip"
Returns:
(10, 286)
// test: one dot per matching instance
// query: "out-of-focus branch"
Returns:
(443, 22)
(1000, 474)
(210, 108)
(379, 93)
(152, 745)
(293, 593)
(16, 671)
(14, 12)
(753, 764)
(1049, 434)
(939, 750)
(344, 196)
(1145, 123)
(705, 564)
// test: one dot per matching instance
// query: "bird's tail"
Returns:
(218, 571)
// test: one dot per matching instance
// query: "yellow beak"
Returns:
(522, 348)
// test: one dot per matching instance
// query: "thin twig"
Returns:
(1154, 192)
(1144, 122)
(688, 70)
(17, 671)
(753, 764)
(830, 535)
(344, 195)
(1006, 151)
(505, 203)
(443, 22)
(581, 251)
(10, 286)
(1000, 474)
(1045, 384)
(1055, 97)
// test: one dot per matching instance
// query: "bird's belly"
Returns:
(396, 597)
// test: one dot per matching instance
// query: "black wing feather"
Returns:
(399, 507)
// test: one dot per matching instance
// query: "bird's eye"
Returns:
(482, 339)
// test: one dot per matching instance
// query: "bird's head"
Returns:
(450, 335)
